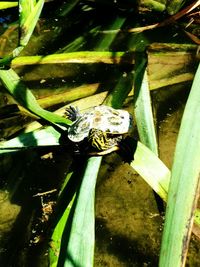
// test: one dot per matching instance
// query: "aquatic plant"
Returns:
(70, 245)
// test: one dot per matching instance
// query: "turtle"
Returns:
(98, 130)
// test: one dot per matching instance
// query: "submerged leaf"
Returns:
(42, 137)
(25, 97)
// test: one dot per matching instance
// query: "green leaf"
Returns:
(158, 5)
(174, 5)
(66, 204)
(80, 247)
(155, 173)
(8, 4)
(120, 92)
(43, 137)
(29, 14)
(24, 97)
(184, 185)
(143, 109)
(105, 43)
(151, 169)
(83, 57)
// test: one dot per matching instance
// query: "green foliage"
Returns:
(8, 4)
(24, 97)
(158, 5)
(174, 6)
(184, 185)
(79, 246)
(29, 14)
(143, 109)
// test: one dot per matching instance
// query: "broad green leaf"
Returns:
(67, 7)
(120, 92)
(29, 15)
(25, 9)
(174, 6)
(42, 137)
(158, 5)
(155, 173)
(104, 43)
(184, 185)
(25, 98)
(151, 169)
(8, 4)
(80, 247)
(143, 109)
(56, 238)
(83, 57)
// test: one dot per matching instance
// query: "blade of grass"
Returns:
(79, 42)
(64, 207)
(105, 43)
(83, 57)
(120, 92)
(151, 169)
(42, 137)
(24, 97)
(57, 234)
(155, 173)
(156, 5)
(80, 247)
(174, 6)
(25, 8)
(66, 8)
(83, 104)
(29, 13)
(7, 4)
(184, 185)
(143, 110)
(29, 16)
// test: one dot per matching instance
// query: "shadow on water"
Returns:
(127, 250)
(22, 232)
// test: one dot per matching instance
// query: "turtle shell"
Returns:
(107, 119)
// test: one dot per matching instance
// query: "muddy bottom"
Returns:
(128, 225)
